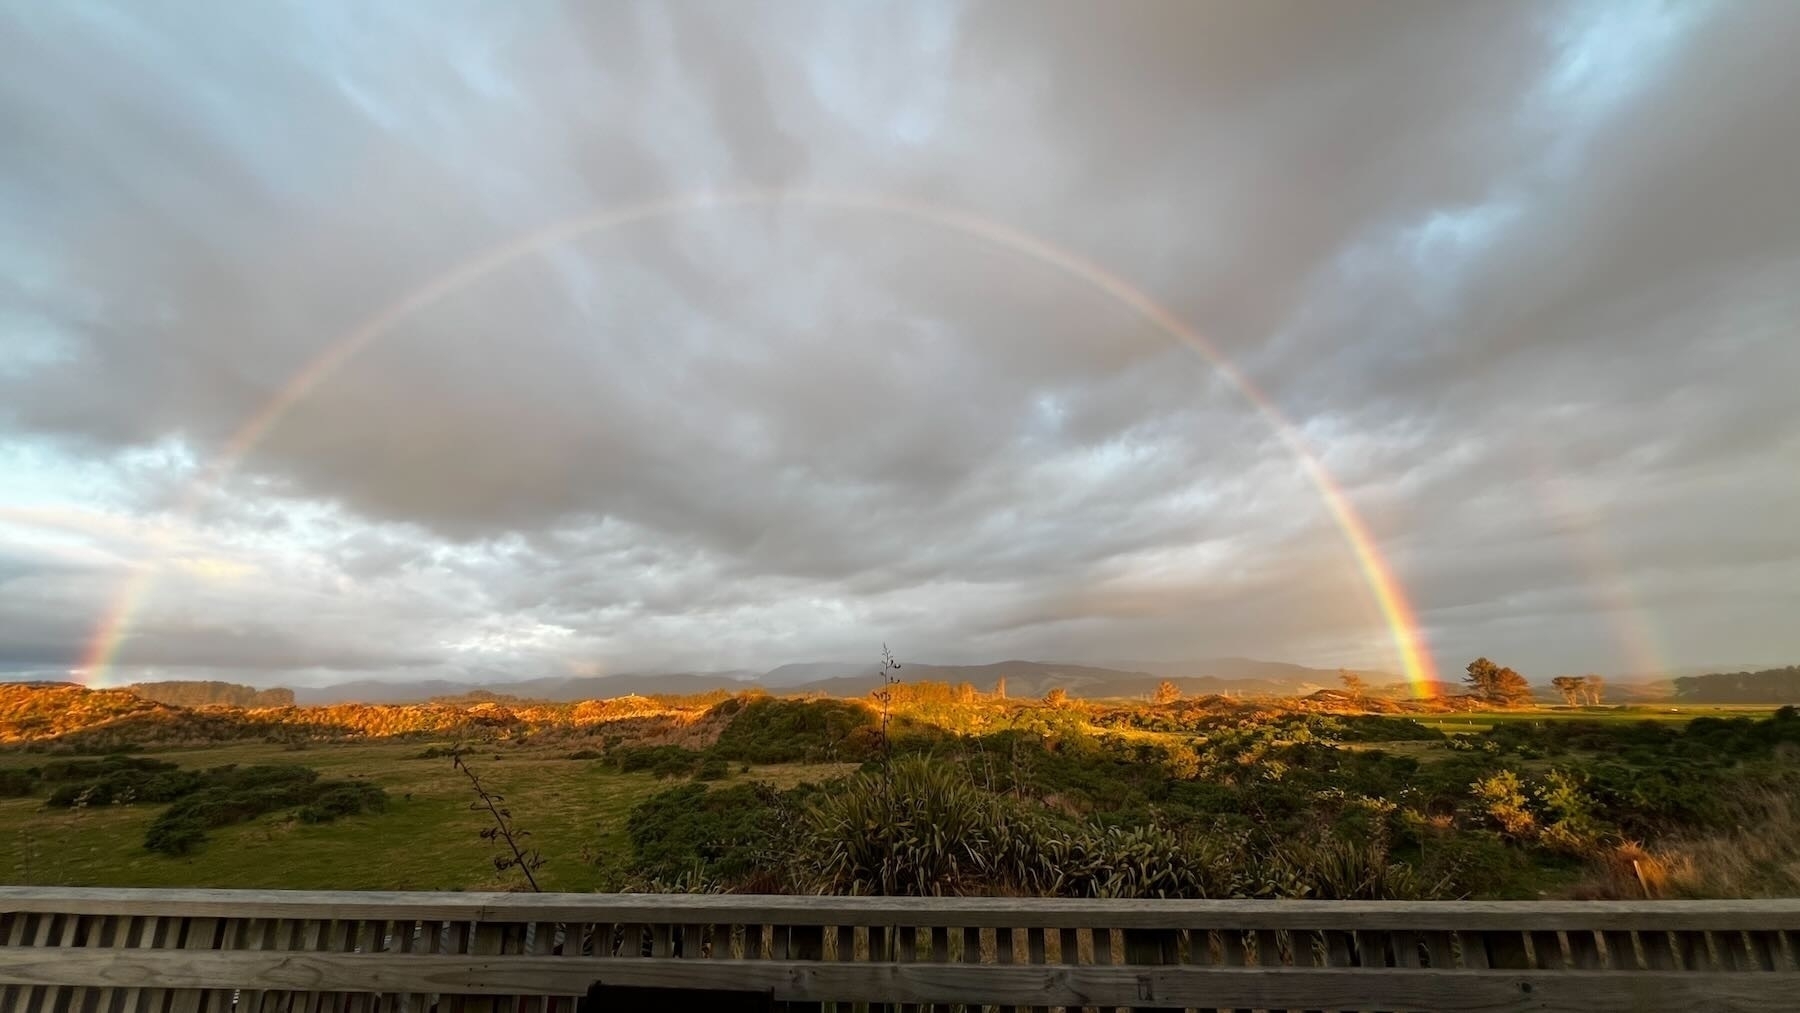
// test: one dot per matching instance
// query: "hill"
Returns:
(1206, 677)
(179, 693)
(550, 690)
(1771, 685)
(1251, 670)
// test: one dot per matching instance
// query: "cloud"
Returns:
(1524, 277)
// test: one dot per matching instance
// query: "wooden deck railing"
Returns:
(197, 951)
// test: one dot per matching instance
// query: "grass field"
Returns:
(426, 840)
(1481, 721)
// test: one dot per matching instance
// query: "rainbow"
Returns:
(1607, 584)
(1389, 596)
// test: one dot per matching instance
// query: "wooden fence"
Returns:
(212, 951)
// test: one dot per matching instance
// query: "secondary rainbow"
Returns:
(1402, 623)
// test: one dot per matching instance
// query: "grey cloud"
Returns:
(1473, 252)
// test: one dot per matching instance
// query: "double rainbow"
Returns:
(1389, 596)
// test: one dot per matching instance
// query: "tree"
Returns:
(1481, 678)
(1057, 697)
(1000, 688)
(1353, 684)
(1495, 684)
(1166, 693)
(1571, 687)
(1594, 686)
(1510, 688)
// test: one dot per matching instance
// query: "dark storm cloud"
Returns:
(1523, 275)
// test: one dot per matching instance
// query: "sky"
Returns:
(1523, 278)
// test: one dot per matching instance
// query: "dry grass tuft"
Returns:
(1760, 857)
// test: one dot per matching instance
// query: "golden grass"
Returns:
(1760, 857)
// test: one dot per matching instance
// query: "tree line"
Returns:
(1771, 685)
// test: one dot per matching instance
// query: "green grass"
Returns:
(426, 840)
(1480, 721)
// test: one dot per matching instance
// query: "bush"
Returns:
(17, 783)
(236, 794)
(344, 798)
(923, 831)
(717, 834)
(714, 769)
(1142, 861)
(114, 780)
(178, 837)
(663, 761)
(768, 730)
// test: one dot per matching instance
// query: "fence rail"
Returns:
(232, 951)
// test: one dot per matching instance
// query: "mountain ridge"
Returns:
(1225, 676)
(838, 678)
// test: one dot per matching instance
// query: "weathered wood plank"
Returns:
(1439, 951)
(1177, 985)
(198, 937)
(1621, 950)
(1584, 949)
(806, 942)
(1657, 951)
(258, 934)
(983, 912)
(1506, 950)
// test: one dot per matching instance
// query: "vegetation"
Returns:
(926, 788)
(198, 800)
(1496, 685)
(1577, 690)
(211, 694)
(514, 854)
(1773, 685)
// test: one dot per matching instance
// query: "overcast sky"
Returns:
(1526, 278)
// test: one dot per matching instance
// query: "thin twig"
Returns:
(525, 860)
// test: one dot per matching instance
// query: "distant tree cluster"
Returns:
(211, 694)
(1771, 685)
(1580, 689)
(1495, 684)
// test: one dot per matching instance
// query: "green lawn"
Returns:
(1481, 721)
(426, 840)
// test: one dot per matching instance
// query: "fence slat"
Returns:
(1584, 950)
(982, 912)
(1621, 950)
(504, 956)
(1506, 950)
(198, 935)
(1017, 984)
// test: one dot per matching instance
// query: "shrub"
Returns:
(115, 779)
(1501, 799)
(714, 769)
(663, 761)
(235, 794)
(769, 730)
(717, 835)
(1571, 827)
(174, 837)
(343, 798)
(924, 830)
(1140, 861)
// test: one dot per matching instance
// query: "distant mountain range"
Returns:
(1233, 676)
(1228, 676)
